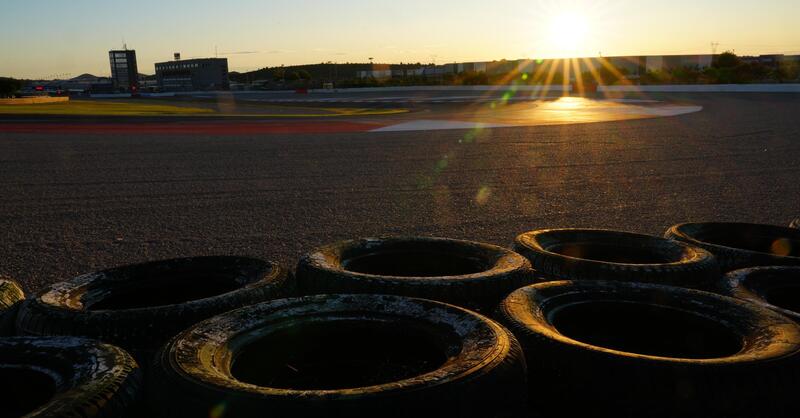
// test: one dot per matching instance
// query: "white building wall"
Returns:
(654, 63)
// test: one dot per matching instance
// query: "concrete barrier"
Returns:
(704, 88)
(128, 95)
(501, 88)
(157, 94)
(33, 100)
(111, 96)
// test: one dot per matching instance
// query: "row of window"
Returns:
(180, 66)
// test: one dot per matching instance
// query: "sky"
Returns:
(59, 38)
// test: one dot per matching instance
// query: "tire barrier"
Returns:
(595, 254)
(742, 245)
(616, 349)
(465, 273)
(777, 288)
(341, 356)
(141, 306)
(614, 341)
(66, 377)
(11, 296)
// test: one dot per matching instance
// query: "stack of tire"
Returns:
(86, 344)
(105, 344)
(629, 326)
(370, 336)
(586, 321)
(742, 245)
(60, 376)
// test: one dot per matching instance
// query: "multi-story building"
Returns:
(124, 72)
(193, 74)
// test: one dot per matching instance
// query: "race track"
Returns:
(75, 201)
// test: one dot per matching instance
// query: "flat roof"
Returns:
(192, 60)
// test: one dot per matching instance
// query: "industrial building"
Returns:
(124, 72)
(193, 74)
(633, 67)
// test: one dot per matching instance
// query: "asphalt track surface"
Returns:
(73, 203)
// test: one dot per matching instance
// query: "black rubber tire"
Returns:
(66, 308)
(741, 245)
(11, 296)
(488, 274)
(66, 377)
(561, 254)
(482, 375)
(751, 370)
(795, 224)
(774, 287)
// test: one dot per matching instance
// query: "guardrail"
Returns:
(704, 88)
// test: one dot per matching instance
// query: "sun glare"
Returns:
(568, 33)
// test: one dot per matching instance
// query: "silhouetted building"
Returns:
(124, 73)
(193, 74)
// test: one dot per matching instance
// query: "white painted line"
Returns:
(436, 125)
(671, 110)
(629, 100)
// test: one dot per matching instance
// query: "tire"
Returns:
(141, 306)
(464, 273)
(11, 296)
(777, 288)
(615, 349)
(795, 224)
(595, 254)
(742, 245)
(66, 377)
(368, 356)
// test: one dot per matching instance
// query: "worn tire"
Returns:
(342, 339)
(596, 254)
(776, 287)
(614, 349)
(742, 245)
(66, 377)
(795, 224)
(141, 306)
(11, 296)
(464, 273)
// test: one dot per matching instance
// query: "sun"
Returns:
(568, 33)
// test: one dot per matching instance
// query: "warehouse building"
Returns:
(193, 74)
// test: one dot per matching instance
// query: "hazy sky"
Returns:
(42, 38)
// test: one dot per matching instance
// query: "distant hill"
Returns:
(86, 77)
(91, 78)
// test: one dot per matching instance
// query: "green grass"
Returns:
(118, 108)
(96, 108)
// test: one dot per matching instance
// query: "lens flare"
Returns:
(218, 411)
(782, 247)
(483, 195)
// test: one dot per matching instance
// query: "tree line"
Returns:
(10, 87)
